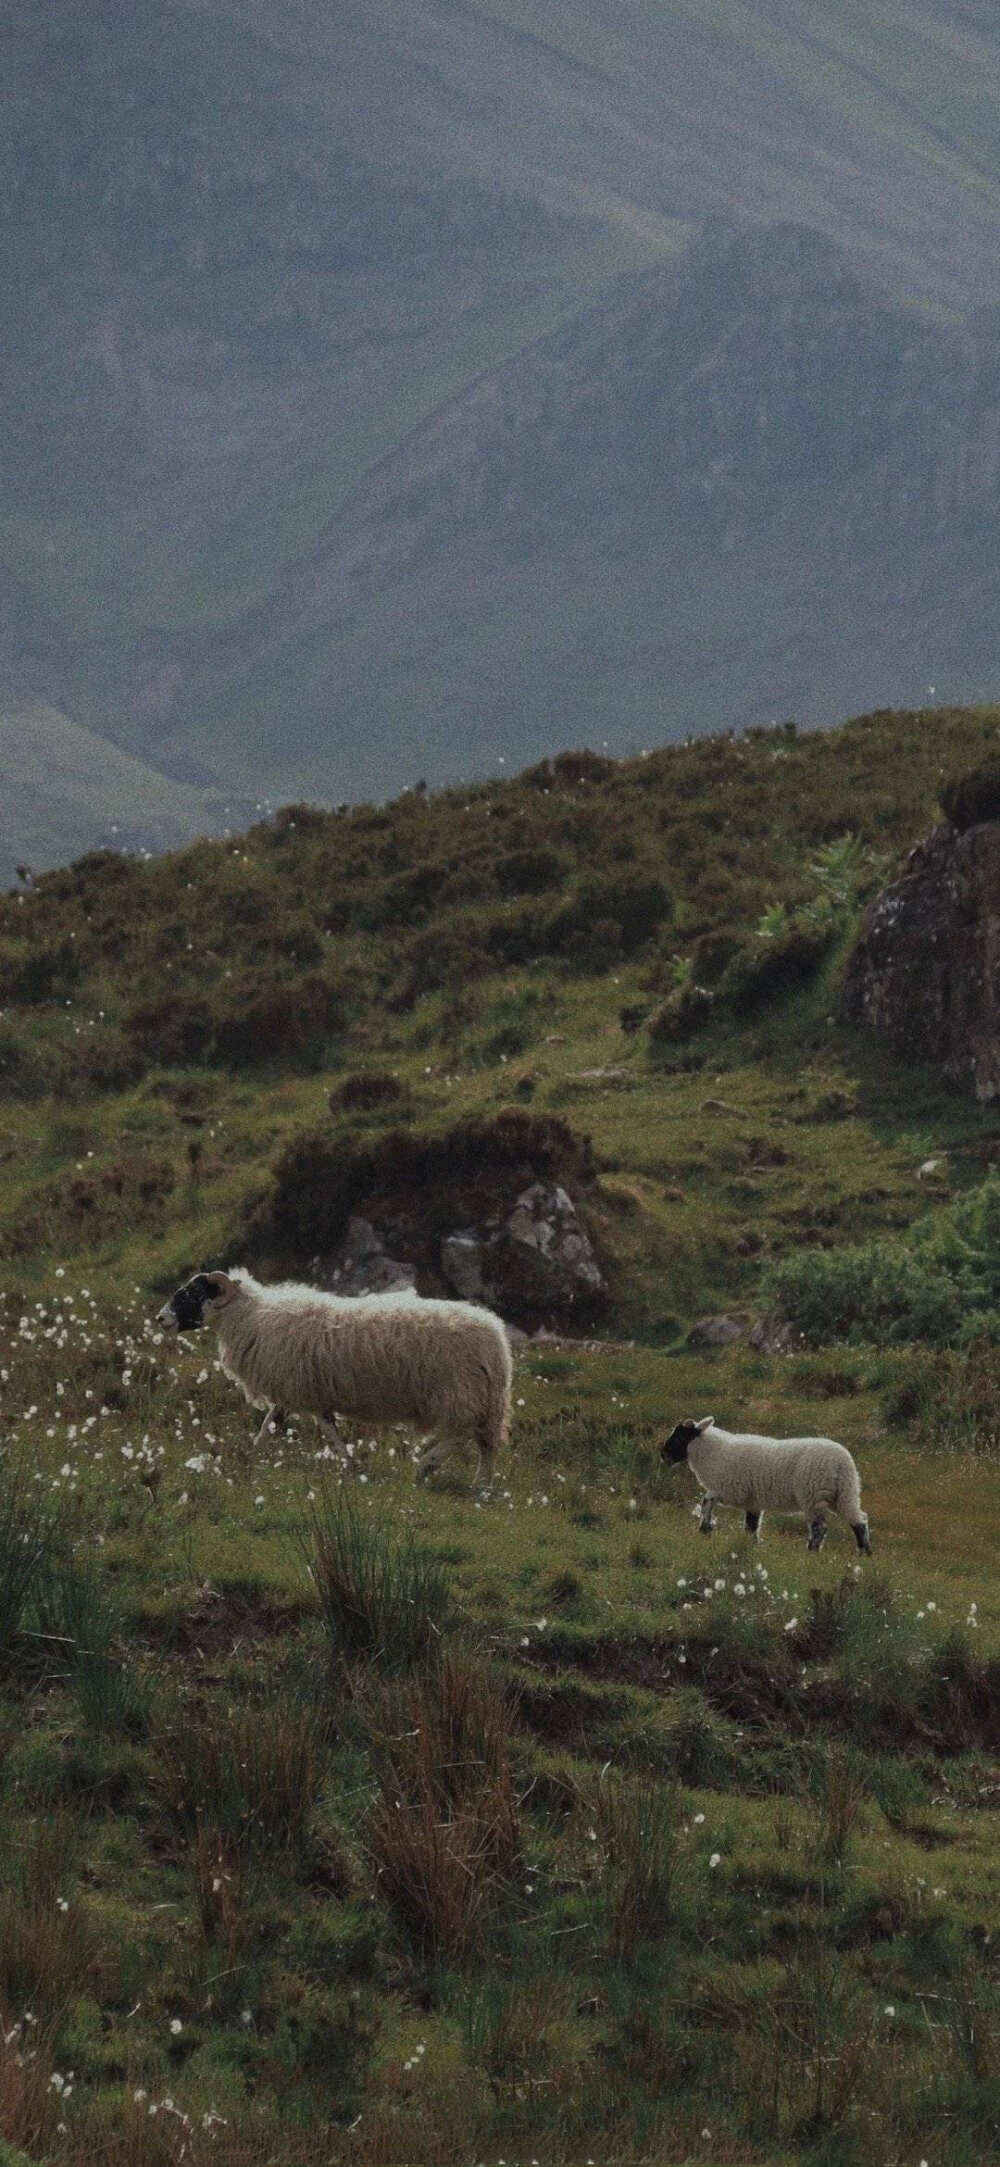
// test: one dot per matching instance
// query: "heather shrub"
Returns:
(108, 1061)
(275, 1019)
(529, 872)
(172, 1029)
(39, 971)
(23, 1072)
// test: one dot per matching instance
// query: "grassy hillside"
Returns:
(348, 1821)
(64, 786)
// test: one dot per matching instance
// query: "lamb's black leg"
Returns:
(752, 1522)
(707, 1519)
(817, 1532)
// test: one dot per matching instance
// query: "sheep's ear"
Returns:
(223, 1288)
(704, 1424)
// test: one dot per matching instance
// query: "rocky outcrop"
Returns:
(537, 1261)
(924, 976)
(362, 1264)
(534, 1264)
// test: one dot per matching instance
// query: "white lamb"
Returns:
(813, 1475)
(445, 1366)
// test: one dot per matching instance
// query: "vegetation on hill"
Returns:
(349, 1821)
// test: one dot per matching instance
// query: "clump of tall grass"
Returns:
(27, 1537)
(382, 1598)
(28, 2100)
(445, 1828)
(637, 1829)
(46, 1938)
(246, 1777)
(80, 1634)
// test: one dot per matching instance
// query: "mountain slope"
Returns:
(262, 253)
(66, 790)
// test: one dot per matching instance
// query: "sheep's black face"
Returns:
(675, 1447)
(186, 1309)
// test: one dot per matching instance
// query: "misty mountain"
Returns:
(390, 390)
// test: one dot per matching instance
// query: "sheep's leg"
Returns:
(817, 1532)
(706, 1519)
(278, 1416)
(436, 1457)
(752, 1523)
(329, 1430)
(487, 1465)
(862, 1535)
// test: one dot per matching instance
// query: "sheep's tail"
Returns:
(494, 1430)
(848, 1502)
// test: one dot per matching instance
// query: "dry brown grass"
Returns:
(28, 2103)
(446, 1825)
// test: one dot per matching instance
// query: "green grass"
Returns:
(593, 1835)
(66, 789)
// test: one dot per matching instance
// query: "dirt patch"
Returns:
(224, 1623)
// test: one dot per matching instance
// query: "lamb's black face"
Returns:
(186, 1309)
(675, 1447)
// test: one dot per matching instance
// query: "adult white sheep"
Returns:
(813, 1475)
(445, 1366)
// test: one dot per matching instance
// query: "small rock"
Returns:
(462, 1265)
(719, 1331)
(362, 1264)
(771, 1335)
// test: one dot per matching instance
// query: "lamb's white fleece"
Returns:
(809, 1474)
(444, 1366)
(789, 1474)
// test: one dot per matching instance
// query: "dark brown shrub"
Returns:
(303, 820)
(635, 907)
(971, 799)
(529, 872)
(369, 1087)
(275, 1019)
(569, 768)
(39, 972)
(681, 1017)
(174, 1029)
(765, 969)
(109, 1063)
(319, 1180)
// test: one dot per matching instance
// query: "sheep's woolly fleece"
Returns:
(445, 1366)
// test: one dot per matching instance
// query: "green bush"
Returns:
(944, 1286)
(875, 1291)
